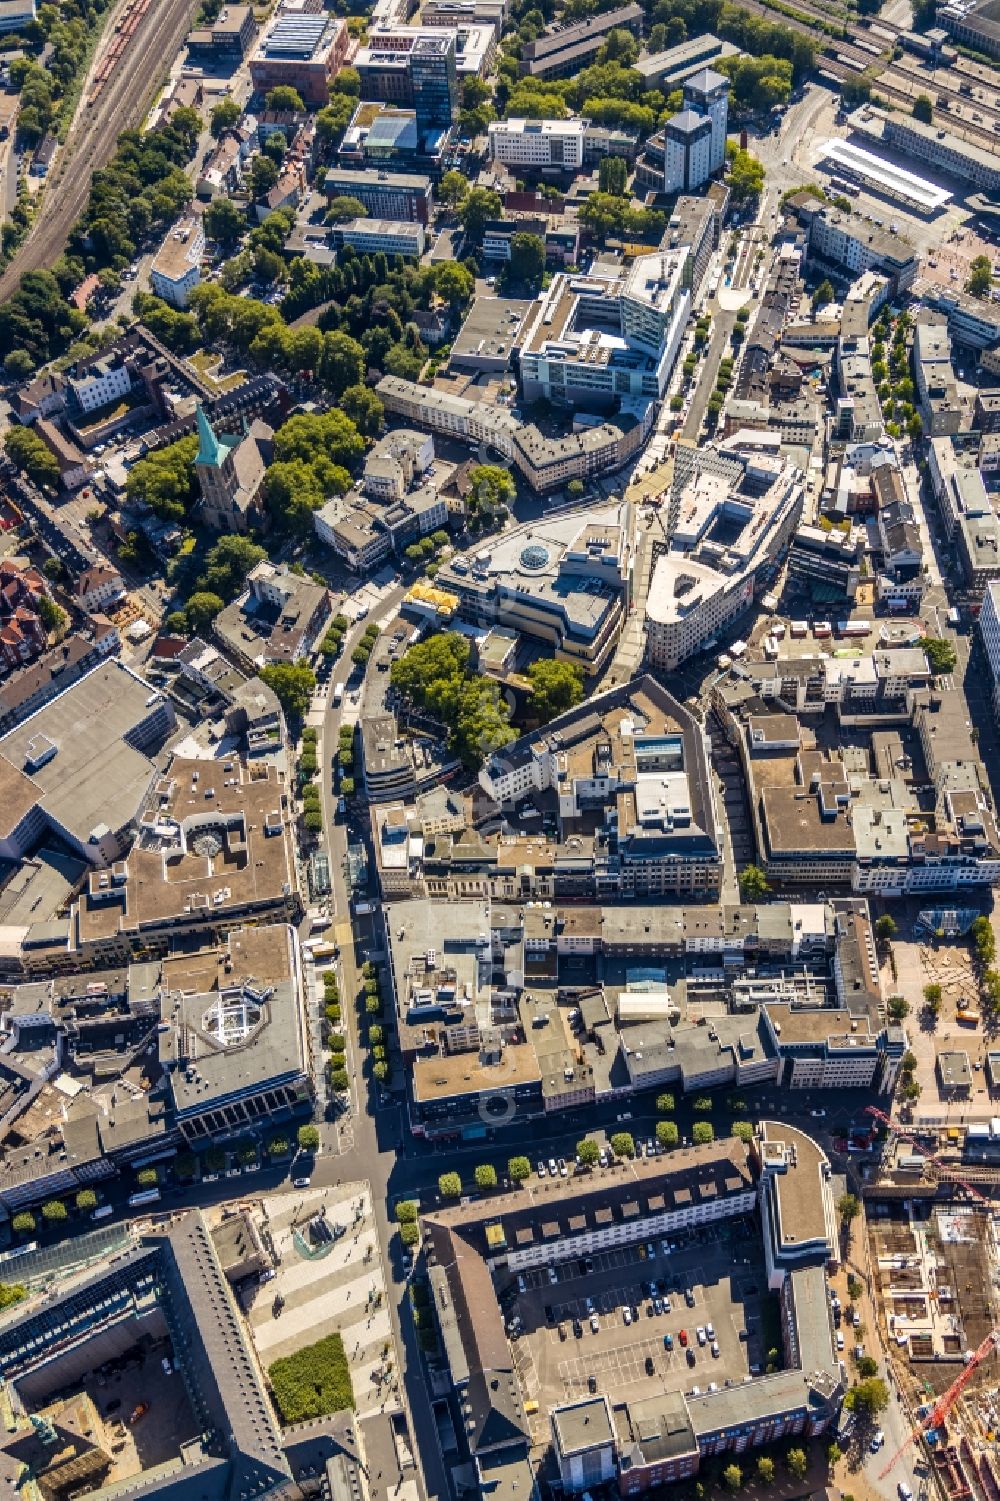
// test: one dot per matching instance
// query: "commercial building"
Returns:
(279, 618)
(545, 463)
(227, 39)
(538, 143)
(385, 195)
(476, 1250)
(736, 514)
(414, 68)
(687, 141)
(566, 581)
(393, 236)
(939, 405)
(973, 22)
(671, 69)
(561, 50)
(16, 14)
(176, 269)
(934, 145)
(848, 240)
(80, 767)
(706, 93)
(302, 49)
(989, 630)
(589, 340)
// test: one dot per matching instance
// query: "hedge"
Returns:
(313, 1382)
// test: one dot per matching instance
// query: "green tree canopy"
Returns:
(623, 1144)
(941, 653)
(702, 1132)
(923, 108)
(555, 687)
(848, 1207)
(292, 683)
(28, 452)
(479, 206)
(797, 1463)
(166, 480)
(527, 258)
(308, 1138)
(450, 1185)
(518, 1169)
(485, 1176)
(667, 1134)
(284, 98)
(224, 116)
(753, 884)
(588, 1151)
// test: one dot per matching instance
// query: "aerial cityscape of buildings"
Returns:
(499, 710)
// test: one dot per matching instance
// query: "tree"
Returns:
(381, 1071)
(527, 258)
(555, 687)
(54, 1211)
(923, 109)
(453, 188)
(518, 1169)
(980, 276)
(868, 1398)
(455, 283)
(941, 653)
(588, 1151)
(223, 117)
(933, 997)
(308, 1138)
(166, 479)
(224, 221)
(147, 1177)
(732, 1477)
(915, 427)
(848, 1207)
(765, 1470)
(885, 928)
(746, 176)
(753, 884)
(11, 1293)
(364, 409)
(742, 1130)
(702, 1102)
(898, 1008)
(283, 98)
(49, 613)
(262, 177)
(622, 1144)
(27, 452)
(201, 609)
(613, 175)
(491, 488)
(702, 1132)
(342, 208)
(227, 564)
(823, 293)
(668, 1135)
(796, 1463)
(450, 1185)
(867, 1367)
(293, 684)
(86, 1201)
(855, 91)
(23, 1223)
(983, 941)
(479, 206)
(485, 1176)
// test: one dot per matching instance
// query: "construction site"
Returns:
(934, 1254)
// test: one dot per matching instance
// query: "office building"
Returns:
(973, 22)
(563, 50)
(176, 269)
(698, 585)
(227, 40)
(937, 392)
(393, 236)
(671, 69)
(706, 93)
(989, 631)
(933, 145)
(302, 49)
(385, 195)
(538, 143)
(414, 68)
(688, 151)
(849, 241)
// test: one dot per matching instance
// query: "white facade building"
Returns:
(393, 236)
(176, 271)
(101, 385)
(538, 143)
(687, 140)
(707, 93)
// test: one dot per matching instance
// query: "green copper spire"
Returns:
(210, 450)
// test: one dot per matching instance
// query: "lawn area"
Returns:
(313, 1382)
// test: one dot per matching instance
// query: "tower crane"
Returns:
(905, 1135)
(935, 1416)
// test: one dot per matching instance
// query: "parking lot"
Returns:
(717, 1282)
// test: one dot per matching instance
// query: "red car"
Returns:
(683, 1337)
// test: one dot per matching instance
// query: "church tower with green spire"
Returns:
(230, 470)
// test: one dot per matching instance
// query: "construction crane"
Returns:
(934, 1417)
(943, 1167)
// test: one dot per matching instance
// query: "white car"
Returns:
(710, 1330)
(701, 1334)
(553, 1169)
(595, 1323)
(627, 1314)
(818, 1114)
(301, 1182)
(878, 1439)
(553, 1275)
(905, 1494)
(541, 1169)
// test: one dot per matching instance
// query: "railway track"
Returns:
(95, 131)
